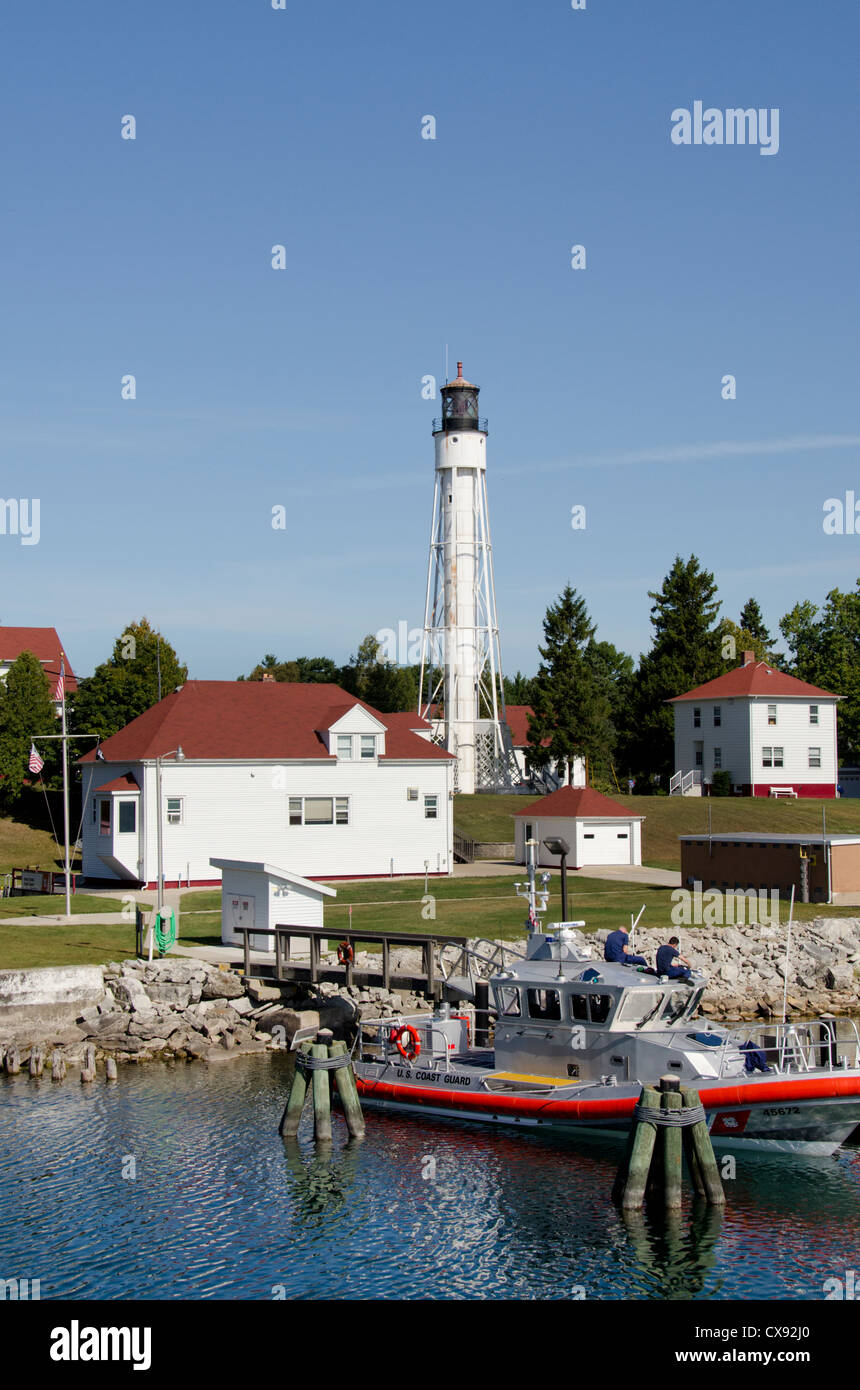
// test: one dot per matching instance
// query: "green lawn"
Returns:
(25, 846)
(48, 904)
(488, 817)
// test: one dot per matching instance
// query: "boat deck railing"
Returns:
(433, 1056)
(822, 1044)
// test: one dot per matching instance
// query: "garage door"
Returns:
(605, 844)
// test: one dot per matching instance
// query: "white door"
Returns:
(239, 913)
(606, 844)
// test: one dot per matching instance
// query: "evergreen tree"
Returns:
(571, 706)
(685, 653)
(752, 622)
(519, 689)
(734, 641)
(824, 649)
(26, 711)
(128, 682)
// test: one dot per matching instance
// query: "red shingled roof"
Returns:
(755, 679)
(578, 801)
(126, 783)
(45, 645)
(253, 719)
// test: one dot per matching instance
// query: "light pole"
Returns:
(561, 848)
(180, 758)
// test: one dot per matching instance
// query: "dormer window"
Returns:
(344, 745)
(368, 745)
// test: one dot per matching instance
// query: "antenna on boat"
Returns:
(634, 925)
(787, 950)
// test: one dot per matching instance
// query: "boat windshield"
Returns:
(639, 1005)
(676, 1004)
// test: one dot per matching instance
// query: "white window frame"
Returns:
(718, 716)
(178, 816)
(815, 757)
(431, 806)
(813, 714)
(718, 759)
(345, 739)
(297, 810)
(771, 717)
(411, 793)
(697, 716)
(126, 801)
(367, 746)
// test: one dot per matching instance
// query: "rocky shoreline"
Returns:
(185, 1009)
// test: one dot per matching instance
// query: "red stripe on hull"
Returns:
(808, 1088)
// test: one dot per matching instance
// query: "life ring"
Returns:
(345, 953)
(413, 1047)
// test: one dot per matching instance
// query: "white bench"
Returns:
(783, 791)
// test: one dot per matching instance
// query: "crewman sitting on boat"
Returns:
(671, 963)
(617, 949)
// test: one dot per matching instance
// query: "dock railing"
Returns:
(428, 977)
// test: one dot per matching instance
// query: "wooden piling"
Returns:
(703, 1149)
(321, 1087)
(672, 1145)
(58, 1066)
(37, 1060)
(348, 1093)
(13, 1061)
(88, 1068)
(295, 1105)
(110, 1069)
(632, 1185)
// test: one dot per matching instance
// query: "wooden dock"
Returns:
(288, 970)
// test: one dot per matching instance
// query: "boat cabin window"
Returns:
(599, 1006)
(676, 1004)
(639, 1004)
(579, 1007)
(544, 1003)
(509, 1002)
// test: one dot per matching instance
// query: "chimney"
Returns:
(267, 676)
(749, 658)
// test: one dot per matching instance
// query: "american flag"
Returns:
(36, 763)
(60, 693)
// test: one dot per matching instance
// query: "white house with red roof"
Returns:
(774, 734)
(267, 771)
(45, 645)
(517, 718)
(598, 829)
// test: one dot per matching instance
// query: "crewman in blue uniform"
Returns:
(617, 949)
(670, 963)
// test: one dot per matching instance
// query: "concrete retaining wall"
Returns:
(486, 850)
(59, 990)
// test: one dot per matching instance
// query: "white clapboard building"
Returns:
(271, 772)
(597, 829)
(773, 734)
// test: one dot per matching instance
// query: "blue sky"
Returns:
(301, 388)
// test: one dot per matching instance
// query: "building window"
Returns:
(718, 716)
(127, 817)
(815, 757)
(104, 817)
(697, 717)
(319, 810)
(411, 793)
(344, 745)
(813, 714)
(771, 714)
(718, 759)
(94, 811)
(174, 810)
(699, 757)
(368, 745)
(431, 807)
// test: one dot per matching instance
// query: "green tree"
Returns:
(127, 683)
(752, 622)
(824, 647)
(518, 689)
(734, 641)
(26, 711)
(572, 715)
(685, 653)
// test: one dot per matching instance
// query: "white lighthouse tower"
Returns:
(461, 670)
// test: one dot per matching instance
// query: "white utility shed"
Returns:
(598, 830)
(260, 895)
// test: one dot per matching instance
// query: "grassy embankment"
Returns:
(490, 818)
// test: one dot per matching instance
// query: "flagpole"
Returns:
(66, 793)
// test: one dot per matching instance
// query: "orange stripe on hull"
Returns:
(802, 1088)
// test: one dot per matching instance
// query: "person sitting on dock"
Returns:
(670, 963)
(617, 949)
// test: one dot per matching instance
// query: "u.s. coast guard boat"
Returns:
(577, 1037)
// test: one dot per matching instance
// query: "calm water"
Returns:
(222, 1208)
